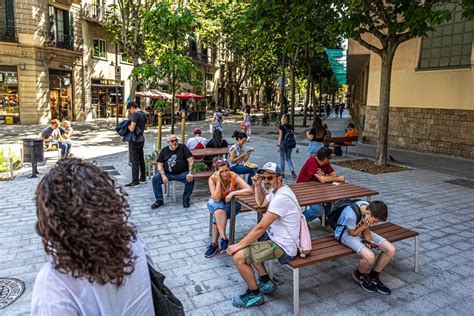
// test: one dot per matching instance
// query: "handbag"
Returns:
(243, 125)
(304, 247)
(164, 301)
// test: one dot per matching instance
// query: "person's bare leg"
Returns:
(221, 221)
(245, 270)
(215, 234)
(388, 252)
(261, 270)
(367, 260)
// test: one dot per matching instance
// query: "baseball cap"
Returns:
(270, 167)
(197, 130)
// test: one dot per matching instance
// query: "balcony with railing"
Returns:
(64, 41)
(94, 13)
(8, 33)
(202, 58)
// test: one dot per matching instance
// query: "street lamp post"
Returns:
(116, 85)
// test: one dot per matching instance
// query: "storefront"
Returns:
(60, 94)
(105, 98)
(9, 100)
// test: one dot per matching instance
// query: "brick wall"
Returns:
(443, 131)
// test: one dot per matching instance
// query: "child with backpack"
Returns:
(351, 221)
(286, 143)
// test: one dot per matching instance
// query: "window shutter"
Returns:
(10, 16)
(67, 29)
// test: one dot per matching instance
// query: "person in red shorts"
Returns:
(318, 168)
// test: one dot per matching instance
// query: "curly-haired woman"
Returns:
(99, 266)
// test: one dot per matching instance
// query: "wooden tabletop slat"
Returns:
(327, 248)
(309, 193)
(210, 151)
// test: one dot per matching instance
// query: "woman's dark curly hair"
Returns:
(83, 221)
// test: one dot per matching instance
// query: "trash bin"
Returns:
(33, 150)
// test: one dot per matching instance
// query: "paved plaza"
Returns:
(420, 199)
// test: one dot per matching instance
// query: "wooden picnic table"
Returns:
(210, 152)
(307, 193)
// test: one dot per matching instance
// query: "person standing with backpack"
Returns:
(351, 221)
(135, 148)
(286, 143)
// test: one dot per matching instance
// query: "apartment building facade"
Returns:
(56, 62)
(432, 90)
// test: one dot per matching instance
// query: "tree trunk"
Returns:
(293, 92)
(306, 101)
(384, 107)
(133, 82)
(313, 97)
(173, 84)
(282, 87)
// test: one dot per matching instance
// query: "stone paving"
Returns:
(418, 199)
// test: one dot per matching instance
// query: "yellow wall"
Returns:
(444, 89)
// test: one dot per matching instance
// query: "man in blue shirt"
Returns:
(359, 237)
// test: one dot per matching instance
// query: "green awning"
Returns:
(338, 61)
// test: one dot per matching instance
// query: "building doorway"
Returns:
(60, 95)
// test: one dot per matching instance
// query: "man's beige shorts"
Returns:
(261, 251)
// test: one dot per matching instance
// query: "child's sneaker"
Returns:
(368, 285)
(267, 288)
(247, 299)
(381, 288)
(212, 250)
(358, 279)
(224, 244)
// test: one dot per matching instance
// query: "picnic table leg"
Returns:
(323, 217)
(259, 216)
(369, 198)
(232, 221)
(296, 292)
(417, 262)
(210, 224)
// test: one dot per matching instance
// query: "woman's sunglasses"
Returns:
(221, 162)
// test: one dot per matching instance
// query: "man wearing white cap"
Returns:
(197, 141)
(281, 225)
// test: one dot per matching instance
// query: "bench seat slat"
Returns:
(328, 248)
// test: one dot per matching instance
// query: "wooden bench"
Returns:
(328, 248)
(341, 141)
(197, 176)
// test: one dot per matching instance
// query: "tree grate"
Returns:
(462, 182)
(10, 290)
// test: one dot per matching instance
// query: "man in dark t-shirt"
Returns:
(318, 168)
(175, 163)
(135, 148)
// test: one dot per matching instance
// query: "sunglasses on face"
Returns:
(173, 141)
(264, 178)
(221, 162)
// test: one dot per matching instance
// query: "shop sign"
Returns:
(118, 73)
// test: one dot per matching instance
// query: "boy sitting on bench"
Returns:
(353, 230)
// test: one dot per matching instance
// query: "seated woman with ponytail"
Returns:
(239, 155)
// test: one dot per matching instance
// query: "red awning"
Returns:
(189, 96)
(153, 95)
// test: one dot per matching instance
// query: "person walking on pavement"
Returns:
(135, 148)
(282, 146)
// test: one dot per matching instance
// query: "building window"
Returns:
(210, 77)
(7, 21)
(60, 34)
(450, 44)
(126, 58)
(100, 48)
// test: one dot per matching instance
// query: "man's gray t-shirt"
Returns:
(140, 119)
(55, 293)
